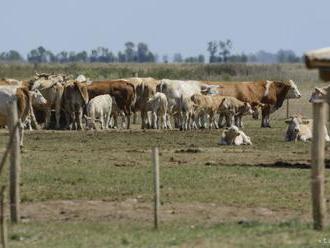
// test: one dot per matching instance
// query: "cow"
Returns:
(115, 113)
(144, 89)
(157, 104)
(233, 109)
(319, 94)
(187, 112)
(37, 99)
(301, 129)
(21, 94)
(234, 136)
(122, 90)
(74, 99)
(206, 107)
(178, 89)
(99, 108)
(270, 93)
(51, 87)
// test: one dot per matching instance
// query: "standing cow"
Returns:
(270, 93)
(122, 90)
(74, 99)
(99, 109)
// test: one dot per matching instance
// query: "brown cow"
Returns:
(270, 93)
(122, 90)
(74, 99)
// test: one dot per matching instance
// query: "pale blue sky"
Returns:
(167, 26)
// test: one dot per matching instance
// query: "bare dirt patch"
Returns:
(133, 210)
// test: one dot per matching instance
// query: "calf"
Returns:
(206, 106)
(157, 104)
(301, 129)
(99, 107)
(233, 109)
(234, 136)
(122, 90)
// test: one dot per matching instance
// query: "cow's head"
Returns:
(319, 94)
(37, 97)
(293, 90)
(293, 129)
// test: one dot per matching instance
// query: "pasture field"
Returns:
(94, 189)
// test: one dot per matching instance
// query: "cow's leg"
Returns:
(107, 120)
(57, 116)
(143, 117)
(79, 116)
(21, 133)
(47, 118)
(134, 117)
(220, 121)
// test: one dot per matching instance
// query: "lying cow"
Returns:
(99, 109)
(234, 136)
(301, 129)
(319, 94)
(157, 104)
(233, 110)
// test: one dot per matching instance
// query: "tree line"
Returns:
(219, 52)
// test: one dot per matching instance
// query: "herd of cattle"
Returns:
(80, 103)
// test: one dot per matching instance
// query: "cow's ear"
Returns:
(305, 122)
(288, 121)
(320, 90)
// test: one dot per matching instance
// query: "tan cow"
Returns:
(51, 87)
(233, 109)
(206, 106)
(22, 95)
(144, 89)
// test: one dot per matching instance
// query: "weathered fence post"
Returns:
(287, 108)
(15, 159)
(3, 226)
(317, 150)
(155, 161)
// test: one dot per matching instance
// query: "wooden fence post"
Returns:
(15, 159)
(287, 108)
(155, 161)
(3, 226)
(317, 173)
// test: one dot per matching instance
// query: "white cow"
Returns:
(234, 136)
(178, 89)
(157, 104)
(301, 129)
(98, 107)
(37, 99)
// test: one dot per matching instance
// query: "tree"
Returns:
(130, 52)
(212, 48)
(11, 56)
(177, 58)
(225, 47)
